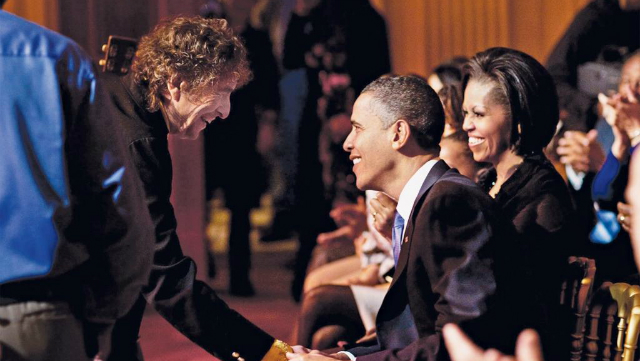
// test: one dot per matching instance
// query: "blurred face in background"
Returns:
(629, 86)
(434, 82)
(456, 154)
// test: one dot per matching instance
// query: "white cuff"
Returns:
(349, 354)
(575, 178)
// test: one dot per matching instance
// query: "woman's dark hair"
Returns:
(526, 90)
(451, 98)
(450, 71)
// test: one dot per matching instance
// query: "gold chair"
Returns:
(632, 306)
(619, 301)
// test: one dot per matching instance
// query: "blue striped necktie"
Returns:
(396, 236)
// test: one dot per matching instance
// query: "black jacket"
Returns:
(189, 305)
(446, 273)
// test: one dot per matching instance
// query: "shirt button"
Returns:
(235, 355)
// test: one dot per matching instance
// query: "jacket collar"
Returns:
(438, 170)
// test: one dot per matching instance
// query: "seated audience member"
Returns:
(454, 150)
(444, 263)
(367, 226)
(600, 25)
(322, 307)
(454, 147)
(447, 73)
(445, 80)
(511, 112)
(461, 348)
(578, 156)
(528, 348)
(622, 113)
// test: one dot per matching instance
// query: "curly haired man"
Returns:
(182, 76)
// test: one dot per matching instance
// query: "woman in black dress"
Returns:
(511, 112)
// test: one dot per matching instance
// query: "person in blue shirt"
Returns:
(75, 234)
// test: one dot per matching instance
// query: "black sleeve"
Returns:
(109, 212)
(583, 41)
(189, 305)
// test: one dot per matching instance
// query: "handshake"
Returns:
(300, 353)
(460, 348)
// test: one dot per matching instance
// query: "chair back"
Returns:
(632, 318)
(613, 304)
(576, 293)
(601, 334)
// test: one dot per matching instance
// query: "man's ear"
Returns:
(174, 89)
(401, 131)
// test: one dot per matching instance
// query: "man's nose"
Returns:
(225, 108)
(348, 143)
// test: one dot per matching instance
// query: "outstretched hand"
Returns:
(301, 353)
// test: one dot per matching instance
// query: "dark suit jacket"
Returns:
(189, 305)
(445, 273)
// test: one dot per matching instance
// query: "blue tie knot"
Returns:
(396, 241)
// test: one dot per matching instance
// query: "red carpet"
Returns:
(272, 309)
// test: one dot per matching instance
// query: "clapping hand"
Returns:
(461, 348)
(581, 151)
(383, 209)
(351, 220)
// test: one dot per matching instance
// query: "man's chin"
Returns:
(363, 186)
(189, 135)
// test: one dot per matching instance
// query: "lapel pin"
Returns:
(406, 239)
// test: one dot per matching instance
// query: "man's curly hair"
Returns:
(198, 51)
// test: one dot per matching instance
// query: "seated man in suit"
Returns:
(443, 237)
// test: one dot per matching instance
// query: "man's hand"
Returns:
(383, 209)
(304, 354)
(350, 213)
(461, 348)
(367, 276)
(624, 216)
(622, 112)
(581, 151)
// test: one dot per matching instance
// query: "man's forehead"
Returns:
(366, 103)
